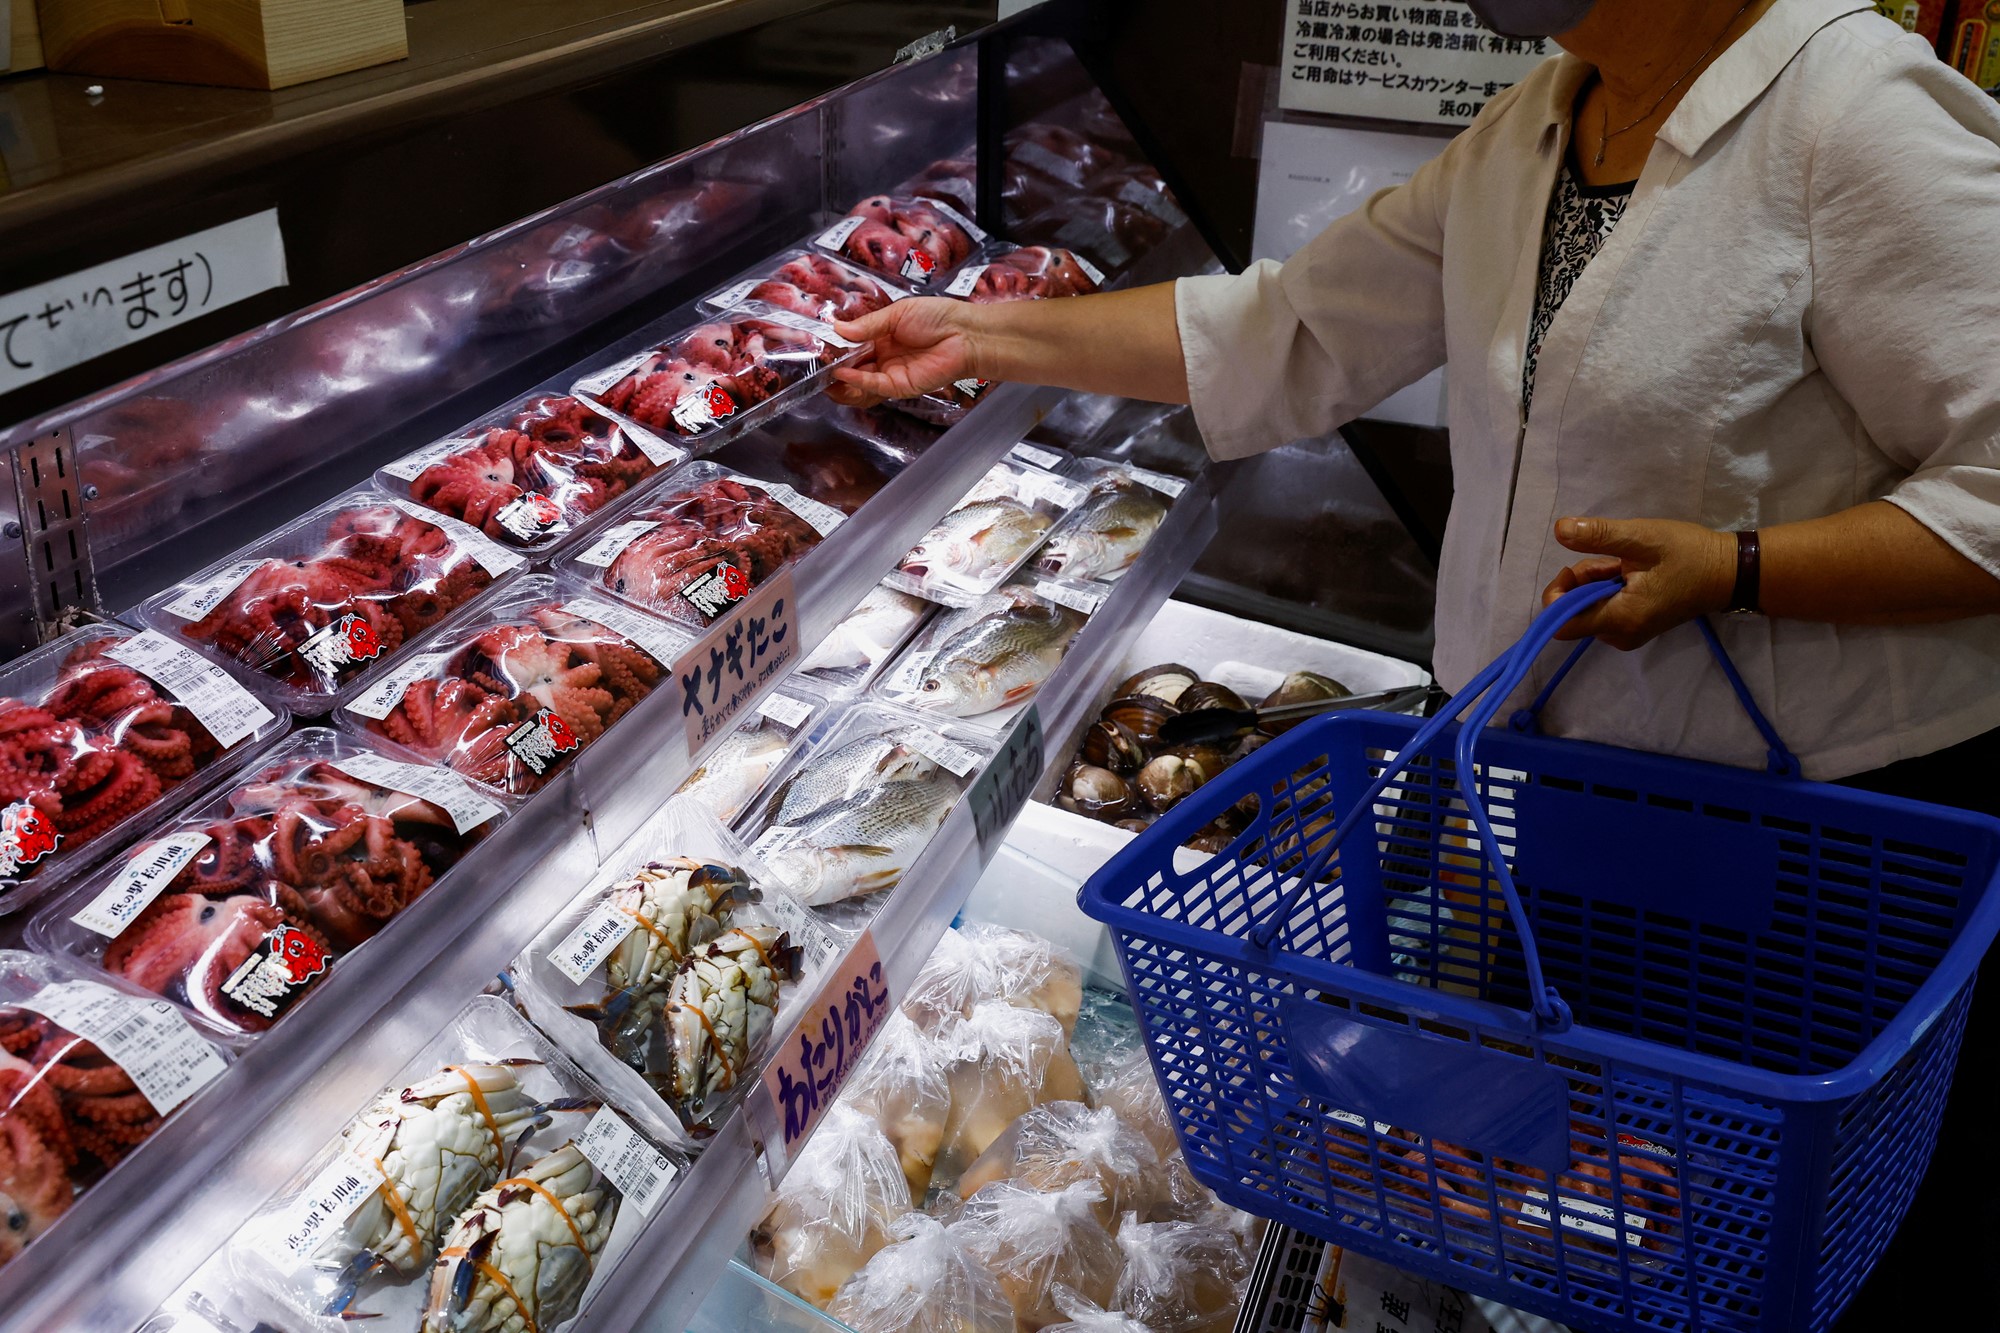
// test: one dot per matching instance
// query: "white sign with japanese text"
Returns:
(1431, 62)
(66, 321)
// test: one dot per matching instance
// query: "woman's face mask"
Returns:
(1531, 18)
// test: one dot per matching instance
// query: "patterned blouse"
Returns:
(1580, 221)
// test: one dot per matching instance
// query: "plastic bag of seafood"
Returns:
(927, 1282)
(667, 976)
(697, 545)
(990, 533)
(1124, 508)
(984, 661)
(510, 692)
(1003, 272)
(733, 775)
(808, 283)
(901, 1086)
(238, 907)
(854, 652)
(978, 961)
(703, 384)
(533, 472)
(1083, 1316)
(488, 1166)
(1181, 1277)
(312, 606)
(833, 1212)
(91, 1068)
(113, 730)
(1034, 1243)
(1001, 1063)
(1058, 1144)
(909, 238)
(852, 810)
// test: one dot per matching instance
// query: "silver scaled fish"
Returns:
(868, 761)
(978, 542)
(865, 843)
(870, 633)
(1108, 532)
(998, 655)
(729, 779)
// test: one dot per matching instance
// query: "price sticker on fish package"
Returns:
(805, 1074)
(749, 646)
(1003, 788)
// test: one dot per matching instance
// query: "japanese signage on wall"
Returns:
(1429, 62)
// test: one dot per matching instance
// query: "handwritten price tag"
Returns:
(741, 654)
(1000, 792)
(805, 1076)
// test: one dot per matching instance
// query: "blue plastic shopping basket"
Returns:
(1712, 1012)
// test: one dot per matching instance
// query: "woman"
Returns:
(1720, 291)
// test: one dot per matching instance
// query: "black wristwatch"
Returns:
(1743, 597)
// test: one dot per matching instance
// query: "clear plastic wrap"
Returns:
(925, 1283)
(1004, 272)
(1001, 1062)
(813, 285)
(1133, 1093)
(1034, 1242)
(103, 749)
(705, 383)
(902, 1086)
(834, 1210)
(909, 238)
(985, 660)
(950, 178)
(240, 906)
(856, 649)
(510, 692)
(1060, 154)
(1111, 231)
(1082, 1316)
(733, 775)
(665, 977)
(987, 535)
(533, 472)
(817, 458)
(1111, 528)
(853, 810)
(87, 1072)
(977, 962)
(1181, 1277)
(1058, 1144)
(313, 605)
(700, 543)
(487, 1158)
(884, 427)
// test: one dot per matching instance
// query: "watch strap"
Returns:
(1743, 598)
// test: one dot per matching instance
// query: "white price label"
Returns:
(138, 882)
(1159, 481)
(444, 789)
(784, 710)
(834, 237)
(938, 749)
(1058, 491)
(411, 466)
(332, 1196)
(911, 670)
(965, 281)
(821, 518)
(1153, 201)
(1037, 158)
(1036, 456)
(970, 227)
(612, 544)
(635, 1167)
(198, 599)
(807, 931)
(810, 327)
(659, 641)
(657, 451)
(773, 839)
(229, 711)
(582, 951)
(380, 699)
(1073, 596)
(148, 1039)
(597, 381)
(1090, 270)
(730, 296)
(491, 556)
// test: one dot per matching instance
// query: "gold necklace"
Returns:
(1609, 134)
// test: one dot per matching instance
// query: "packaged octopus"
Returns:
(979, 961)
(481, 1191)
(1111, 231)
(509, 693)
(1033, 1243)
(665, 977)
(1001, 1063)
(709, 381)
(855, 651)
(240, 906)
(734, 774)
(1005, 272)
(883, 427)
(88, 1070)
(698, 545)
(901, 1086)
(110, 730)
(1059, 1144)
(1059, 154)
(927, 1282)
(814, 457)
(987, 535)
(1181, 1277)
(1124, 508)
(315, 604)
(834, 1210)
(807, 283)
(954, 179)
(947, 406)
(850, 813)
(983, 661)
(532, 472)
(907, 237)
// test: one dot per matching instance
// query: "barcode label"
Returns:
(836, 236)
(1036, 456)
(910, 670)
(582, 951)
(822, 518)
(1037, 158)
(948, 753)
(490, 555)
(786, 711)
(198, 599)
(970, 227)
(808, 932)
(1159, 481)
(657, 451)
(145, 873)
(1058, 491)
(773, 839)
(444, 789)
(380, 699)
(1073, 596)
(1090, 270)
(229, 711)
(411, 466)
(730, 296)
(162, 1055)
(332, 1196)
(612, 544)
(635, 1167)
(661, 642)
(810, 327)
(965, 281)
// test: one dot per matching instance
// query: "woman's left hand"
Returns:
(1673, 572)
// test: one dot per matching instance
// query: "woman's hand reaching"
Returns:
(1673, 572)
(916, 346)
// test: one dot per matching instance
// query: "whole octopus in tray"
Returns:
(1030, 273)
(725, 526)
(820, 287)
(517, 698)
(697, 381)
(1123, 773)
(906, 237)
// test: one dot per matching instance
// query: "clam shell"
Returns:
(1109, 744)
(1205, 758)
(1134, 825)
(1141, 714)
(1298, 688)
(1164, 682)
(1212, 839)
(1167, 780)
(1207, 694)
(1097, 793)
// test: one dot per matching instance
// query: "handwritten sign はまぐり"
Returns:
(806, 1073)
(1432, 63)
(1001, 791)
(725, 670)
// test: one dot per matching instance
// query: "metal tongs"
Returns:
(1206, 726)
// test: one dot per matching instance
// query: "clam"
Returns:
(1212, 839)
(1298, 688)
(1164, 682)
(1134, 825)
(1207, 694)
(1206, 758)
(1167, 780)
(1250, 744)
(1109, 744)
(1097, 793)
(1141, 714)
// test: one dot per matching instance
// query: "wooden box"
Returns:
(236, 43)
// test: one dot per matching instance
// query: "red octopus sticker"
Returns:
(277, 971)
(26, 837)
(530, 515)
(698, 411)
(345, 643)
(542, 741)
